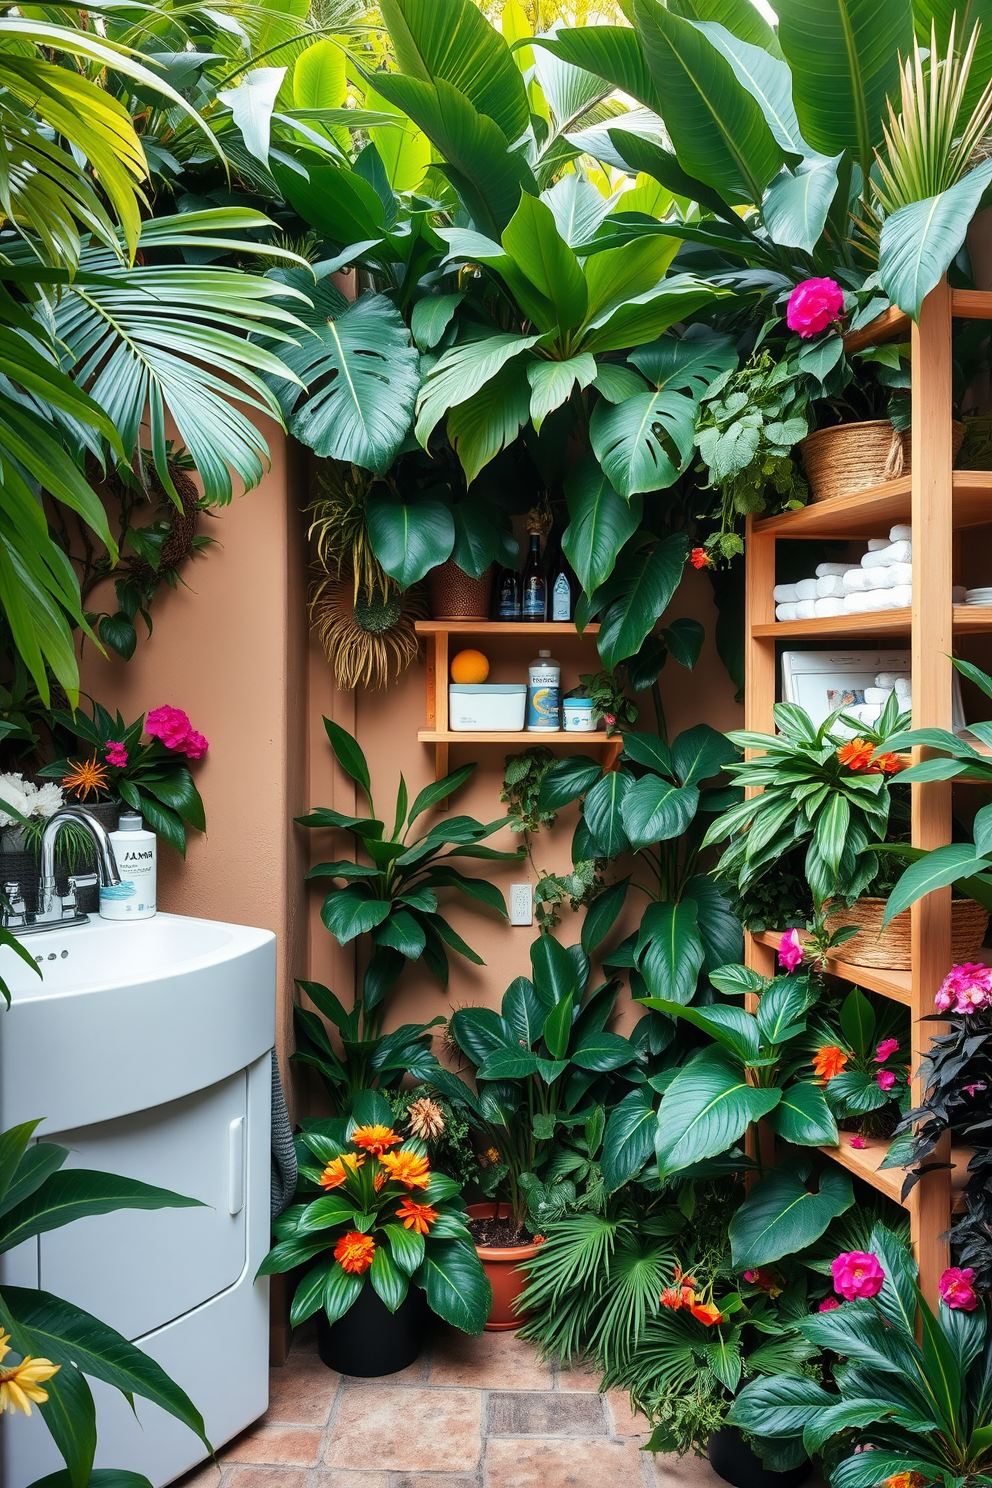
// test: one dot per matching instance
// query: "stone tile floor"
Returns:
(470, 1413)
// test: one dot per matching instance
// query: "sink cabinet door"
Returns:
(139, 1269)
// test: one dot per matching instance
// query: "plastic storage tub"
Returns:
(487, 707)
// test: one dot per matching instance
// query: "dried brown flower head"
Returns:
(426, 1119)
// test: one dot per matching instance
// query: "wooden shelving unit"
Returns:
(938, 501)
(438, 732)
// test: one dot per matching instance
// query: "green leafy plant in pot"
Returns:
(385, 1239)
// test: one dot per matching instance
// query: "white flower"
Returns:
(48, 800)
(15, 792)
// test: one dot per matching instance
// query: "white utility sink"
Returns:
(144, 1048)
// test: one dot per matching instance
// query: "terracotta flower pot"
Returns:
(502, 1264)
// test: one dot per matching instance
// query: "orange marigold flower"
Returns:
(354, 1252)
(407, 1168)
(856, 755)
(904, 1480)
(416, 1216)
(380, 1180)
(889, 764)
(829, 1060)
(375, 1139)
(85, 776)
(337, 1170)
(706, 1312)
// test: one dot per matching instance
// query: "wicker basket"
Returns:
(455, 596)
(852, 457)
(890, 949)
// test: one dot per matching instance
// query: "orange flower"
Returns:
(380, 1180)
(407, 1168)
(856, 755)
(337, 1171)
(706, 1312)
(671, 1297)
(354, 1252)
(904, 1480)
(375, 1139)
(829, 1061)
(85, 776)
(889, 764)
(416, 1216)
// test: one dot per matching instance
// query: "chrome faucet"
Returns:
(55, 908)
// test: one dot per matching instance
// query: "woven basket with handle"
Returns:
(890, 949)
(851, 457)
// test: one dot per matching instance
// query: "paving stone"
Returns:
(403, 1428)
(515, 1463)
(207, 1476)
(265, 1477)
(433, 1480)
(302, 1390)
(579, 1378)
(492, 1361)
(280, 1446)
(625, 1422)
(414, 1374)
(538, 1413)
(342, 1478)
(689, 1471)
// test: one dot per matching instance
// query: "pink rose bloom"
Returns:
(116, 754)
(857, 1142)
(813, 305)
(967, 988)
(956, 1289)
(886, 1079)
(828, 1304)
(790, 951)
(857, 1273)
(171, 725)
(886, 1049)
(195, 746)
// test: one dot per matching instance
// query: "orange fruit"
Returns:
(469, 666)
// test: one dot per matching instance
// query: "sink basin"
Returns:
(126, 1016)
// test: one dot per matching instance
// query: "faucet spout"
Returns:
(49, 904)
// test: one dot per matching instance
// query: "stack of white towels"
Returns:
(883, 580)
(870, 711)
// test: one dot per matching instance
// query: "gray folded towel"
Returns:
(284, 1169)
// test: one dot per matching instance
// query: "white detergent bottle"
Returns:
(135, 850)
(544, 694)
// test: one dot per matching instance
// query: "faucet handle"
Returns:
(70, 907)
(15, 911)
(82, 880)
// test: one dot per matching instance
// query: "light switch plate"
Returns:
(521, 904)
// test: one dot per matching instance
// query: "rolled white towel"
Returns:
(899, 597)
(876, 599)
(806, 609)
(864, 713)
(901, 532)
(878, 695)
(830, 586)
(806, 589)
(898, 552)
(786, 611)
(785, 594)
(888, 680)
(834, 570)
(855, 603)
(876, 544)
(824, 607)
(904, 688)
(857, 580)
(891, 577)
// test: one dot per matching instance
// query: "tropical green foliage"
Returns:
(35, 1197)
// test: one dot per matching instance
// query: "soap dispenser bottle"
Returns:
(135, 851)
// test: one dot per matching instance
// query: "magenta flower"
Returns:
(196, 745)
(956, 1289)
(813, 305)
(857, 1273)
(858, 1142)
(886, 1049)
(886, 1079)
(171, 725)
(973, 1090)
(828, 1304)
(116, 754)
(790, 951)
(967, 988)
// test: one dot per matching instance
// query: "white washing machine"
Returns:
(146, 1051)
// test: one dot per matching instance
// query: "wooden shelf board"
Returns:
(864, 1161)
(967, 620)
(869, 513)
(896, 985)
(885, 327)
(504, 627)
(528, 737)
(971, 304)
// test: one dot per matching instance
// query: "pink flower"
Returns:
(116, 754)
(790, 951)
(171, 725)
(857, 1142)
(967, 988)
(828, 1304)
(609, 719)
(196, 745)
(857, 1273)
(886, 1079)
(973, 1089)
(886, 1049)
(956, 1289)
(813, 305)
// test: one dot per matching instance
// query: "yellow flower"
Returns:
(407, 1168)
(22, 1384)
(337, 1171)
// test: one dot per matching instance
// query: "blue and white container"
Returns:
(577, 716)
(544, 695)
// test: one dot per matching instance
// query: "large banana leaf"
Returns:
(716, 125)
(483, 425)
(600, 522)
(636, 595)
(766, 78)
(966, 14)
(780, 1216)
(796, 204)
(920, 242)
(706, 1109)
(741, 18)
(461, 372)
(76, 1194)
(613, 53)
(844, 56)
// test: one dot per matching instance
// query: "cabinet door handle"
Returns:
(236, 1178)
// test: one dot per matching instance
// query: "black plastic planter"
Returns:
(733, 1460)
(370, 1340)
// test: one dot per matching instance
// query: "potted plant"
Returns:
(861, 1047)
(834, 797)
(905, 1407)
(384, 1240)
(542, 1066)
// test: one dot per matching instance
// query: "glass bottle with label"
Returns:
(534, 600)
(508, 595)
(560, 591)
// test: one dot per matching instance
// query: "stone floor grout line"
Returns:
(327, 1434)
